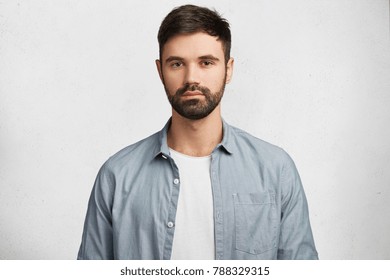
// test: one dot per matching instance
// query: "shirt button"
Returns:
(176, 181)
(170, 224)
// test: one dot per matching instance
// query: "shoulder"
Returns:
(272, 160)
(265, 151)
(133, 154)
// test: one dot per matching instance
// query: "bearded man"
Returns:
(199, 188)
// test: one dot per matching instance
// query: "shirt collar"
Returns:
(227, 143)
(162, 143)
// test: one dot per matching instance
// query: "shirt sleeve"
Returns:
(296, 238)
(97, 239)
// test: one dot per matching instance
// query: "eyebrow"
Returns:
(209, 56)
(172, 58)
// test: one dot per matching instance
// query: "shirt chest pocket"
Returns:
(255, 222)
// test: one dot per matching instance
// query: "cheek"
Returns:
(172, 80)
(215, 79)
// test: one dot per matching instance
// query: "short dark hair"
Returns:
(189, 19)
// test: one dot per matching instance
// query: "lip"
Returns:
(192, 93)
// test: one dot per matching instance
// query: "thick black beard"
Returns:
(195, 109)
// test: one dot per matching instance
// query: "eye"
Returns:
(176, 64)
(207, 63)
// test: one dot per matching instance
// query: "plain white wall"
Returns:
(78, 83)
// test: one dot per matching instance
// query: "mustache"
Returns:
(192, 87)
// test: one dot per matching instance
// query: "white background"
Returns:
(78, 82)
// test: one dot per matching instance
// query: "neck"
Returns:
(195, 137)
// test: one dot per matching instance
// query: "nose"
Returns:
(192, 74)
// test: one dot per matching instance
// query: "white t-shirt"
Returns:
(194, 226)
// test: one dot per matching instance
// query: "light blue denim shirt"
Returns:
(260, 209)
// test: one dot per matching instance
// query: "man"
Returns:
(199, 188)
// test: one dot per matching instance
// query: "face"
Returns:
(194, 74)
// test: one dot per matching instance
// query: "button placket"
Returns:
(170, 222)
(217, 207)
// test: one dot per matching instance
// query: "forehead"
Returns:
(193, 45)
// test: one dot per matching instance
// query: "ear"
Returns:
(159, 69)
(229, 70)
